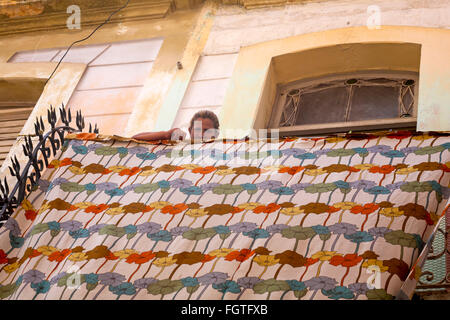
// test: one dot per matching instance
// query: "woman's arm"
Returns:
(161, 135)
(151, 136)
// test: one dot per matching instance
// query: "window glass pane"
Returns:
(375, 102)
(346, 99)
(323, 106)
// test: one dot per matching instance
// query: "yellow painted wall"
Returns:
(176, 30)
(156, 109)
(258, 70)
(284, 60)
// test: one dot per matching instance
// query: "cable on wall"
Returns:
(85, 38)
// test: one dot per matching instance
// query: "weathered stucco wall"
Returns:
(207, 89)
(208, 41)
(236, 28)
(175, 32)
(114, 77)
(254, 62)
(43, 47)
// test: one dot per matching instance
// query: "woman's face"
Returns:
(203, 129)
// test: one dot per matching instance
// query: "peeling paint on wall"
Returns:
(12, 10)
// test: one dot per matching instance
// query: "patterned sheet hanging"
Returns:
(322, 218)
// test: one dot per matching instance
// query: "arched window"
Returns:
(343, 102)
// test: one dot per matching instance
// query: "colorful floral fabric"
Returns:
(296, 218)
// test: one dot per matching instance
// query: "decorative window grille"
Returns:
(346, 100)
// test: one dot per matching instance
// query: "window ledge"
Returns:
(336, 127)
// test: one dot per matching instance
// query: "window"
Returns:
(18, 96)
(12, 119)
(115, 76)
(347, 102)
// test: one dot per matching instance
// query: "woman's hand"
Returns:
(175, 134)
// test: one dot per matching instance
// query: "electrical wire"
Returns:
(85, 38)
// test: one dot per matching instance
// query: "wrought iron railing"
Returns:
(435, 277)
(38, 158)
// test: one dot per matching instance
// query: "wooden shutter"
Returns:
(12, 120)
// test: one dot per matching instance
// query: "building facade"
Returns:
(156, 63)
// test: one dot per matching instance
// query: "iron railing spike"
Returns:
(61, 114)
(65, 115)
(30, 144)
(78, 121)
(42, 125)
(6, 185)
(38, 157)
(17, 166)
(2, 189)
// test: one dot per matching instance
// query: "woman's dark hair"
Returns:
(206, 114)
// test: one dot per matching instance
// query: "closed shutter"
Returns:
(12, 120)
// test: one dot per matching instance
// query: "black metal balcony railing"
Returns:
(38, 158)
(435, 277)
